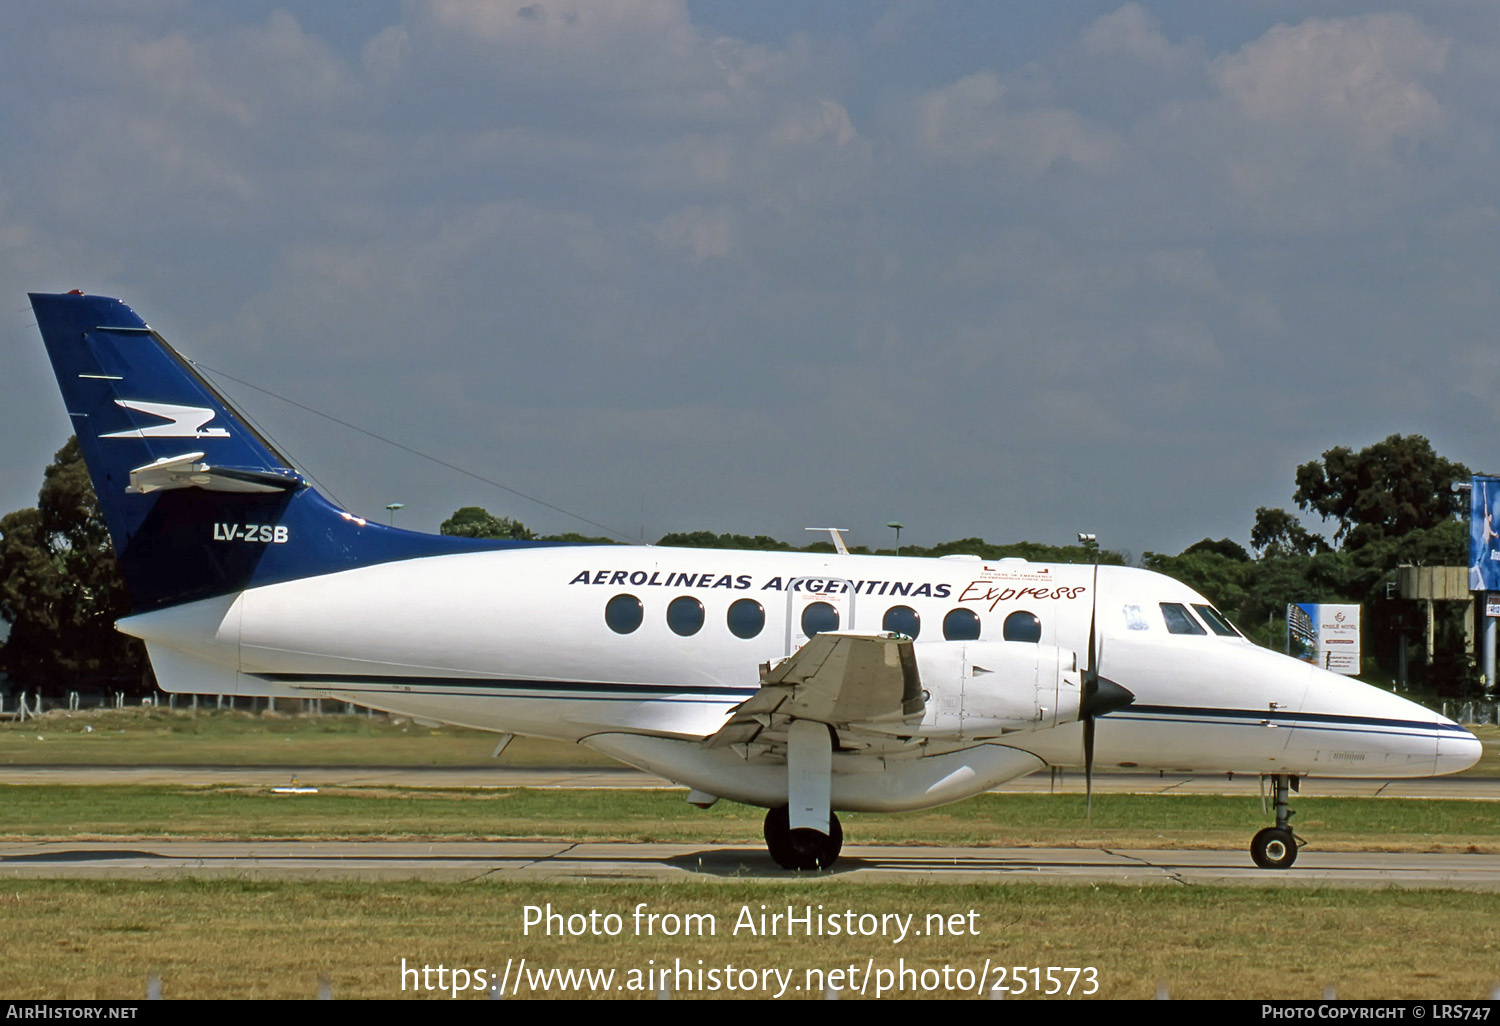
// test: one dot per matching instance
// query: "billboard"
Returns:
(1324, 634)
(1484, 543)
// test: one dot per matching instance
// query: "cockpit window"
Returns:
(1179, 620)
(1216, 622)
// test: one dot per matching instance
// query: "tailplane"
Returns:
(197, 502)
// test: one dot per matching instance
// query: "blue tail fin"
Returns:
(197, 502)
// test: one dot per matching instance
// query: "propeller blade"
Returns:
(1088, 691)
(1088, 768)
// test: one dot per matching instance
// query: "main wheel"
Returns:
(802, 849)
(778, 834)
(1274, 848)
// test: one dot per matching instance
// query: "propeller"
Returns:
(1099, 695)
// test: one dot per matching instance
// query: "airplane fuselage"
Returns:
(643, 651)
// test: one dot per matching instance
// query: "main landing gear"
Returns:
(802, 849)
(1276, 847)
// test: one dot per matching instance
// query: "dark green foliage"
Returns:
(709, 540)
(1036, 552)
(1385, 490)
(1223, 547)
(61, 590)
(478, 522)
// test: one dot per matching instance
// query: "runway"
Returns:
(536, 861)
(543, 861)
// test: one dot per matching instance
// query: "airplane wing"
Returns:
(865, 686)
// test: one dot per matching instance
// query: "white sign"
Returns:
(1325, 635)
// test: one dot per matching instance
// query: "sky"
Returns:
(1009, 270)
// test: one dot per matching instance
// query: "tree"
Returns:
(61, 589)
(709, 540)
(1277, 533)
(1223, 547)
(1385, 490)
(478, 522)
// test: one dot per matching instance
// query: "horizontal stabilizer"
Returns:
(186, 472)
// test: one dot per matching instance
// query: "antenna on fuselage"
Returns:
(837, 533)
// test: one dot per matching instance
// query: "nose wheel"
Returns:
(1276, 847)
(802, 849)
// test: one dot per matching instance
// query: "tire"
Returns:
(802, 849)
(778, 834)
(1274, 848)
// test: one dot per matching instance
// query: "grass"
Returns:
(179, 737)
(37, 812)
(239, 939)
(153, 736)
(84, 939)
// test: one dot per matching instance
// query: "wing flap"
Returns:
(859, 684)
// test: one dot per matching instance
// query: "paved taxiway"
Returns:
(666, 862)
(540, 861)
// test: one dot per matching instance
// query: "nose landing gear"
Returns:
(1276, 847)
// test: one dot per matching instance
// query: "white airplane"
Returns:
(802, 683)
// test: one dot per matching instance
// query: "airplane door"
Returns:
(815, 605)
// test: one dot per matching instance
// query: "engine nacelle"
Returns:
(983, 689)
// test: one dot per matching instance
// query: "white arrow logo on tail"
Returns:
(186, 421)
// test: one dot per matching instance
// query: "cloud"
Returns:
(700, 233)
(1133, 32)
(971, 121)
(1363, 79)
(1308, 127)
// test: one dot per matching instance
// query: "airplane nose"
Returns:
(1457, 750)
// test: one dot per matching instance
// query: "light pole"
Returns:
(897, 525)
(391, 509)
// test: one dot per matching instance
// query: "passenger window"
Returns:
(902, 620)
(961, 625)
(1179, 620)
(623, 613)
(1216, 622)
(1135, 619)
(746, 618)
(685, 616)
(819, 617)
(1022, 626)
